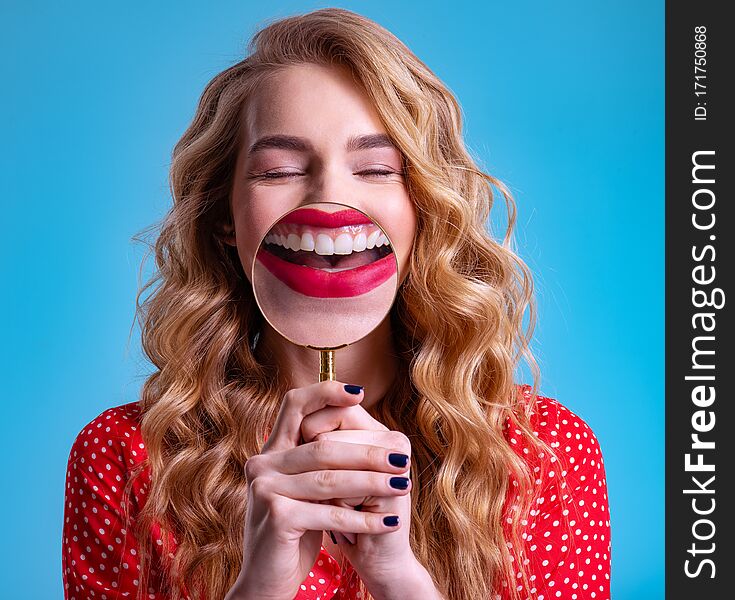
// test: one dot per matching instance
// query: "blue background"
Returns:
(563, 101)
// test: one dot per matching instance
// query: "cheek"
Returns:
(401, 227)
(251, 226)
(411, 222)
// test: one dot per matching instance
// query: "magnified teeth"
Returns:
(343, 244)
(324, 244)
(293, 242)
(372, 238)
(307, 242)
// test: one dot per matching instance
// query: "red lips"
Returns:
(325, 284)
(319, 218)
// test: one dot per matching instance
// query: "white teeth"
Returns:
(307, 242)
(360, 242)
(343, 244)
(372, 238)
(293, 242)
(324, 244)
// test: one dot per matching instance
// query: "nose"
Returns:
(331, 185)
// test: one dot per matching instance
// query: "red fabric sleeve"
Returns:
(567, 534)
(99, 554)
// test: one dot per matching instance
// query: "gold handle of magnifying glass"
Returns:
(326, 365)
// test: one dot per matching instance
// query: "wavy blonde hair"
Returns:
(458, 323)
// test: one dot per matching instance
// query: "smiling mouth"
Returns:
(330, 250)
(335, 261)
(331, 263)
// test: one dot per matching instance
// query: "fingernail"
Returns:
(391, 521)
(353, 389)
(400, 483)
(398, 460)
(334, 539)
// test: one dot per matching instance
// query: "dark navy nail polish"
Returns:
(353, 389)
(400, 483)
(398, 460)
(334, 539)
(391, 521)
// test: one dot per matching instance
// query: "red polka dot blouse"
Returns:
(566, 536)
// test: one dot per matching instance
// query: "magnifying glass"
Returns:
(325, 275)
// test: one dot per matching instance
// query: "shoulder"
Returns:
(118, 421)
(111, 441)
(572, 462)
(556, 425)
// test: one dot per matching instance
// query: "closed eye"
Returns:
(380, 173)
(277, 175)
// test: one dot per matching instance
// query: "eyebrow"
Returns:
(299, 144)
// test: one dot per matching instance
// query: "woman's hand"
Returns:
(383, 561)
(286, 482)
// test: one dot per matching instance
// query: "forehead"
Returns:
(310, 100)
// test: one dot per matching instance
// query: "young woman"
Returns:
(223, 480)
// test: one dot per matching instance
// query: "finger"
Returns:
(377, 504)
(328, 484)
(350, 538)
(353, 504)
(397, 505)
(299, 402)
(392, 439)
(327, 454)
(377, 438)
(331, 418)
(308, 516)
